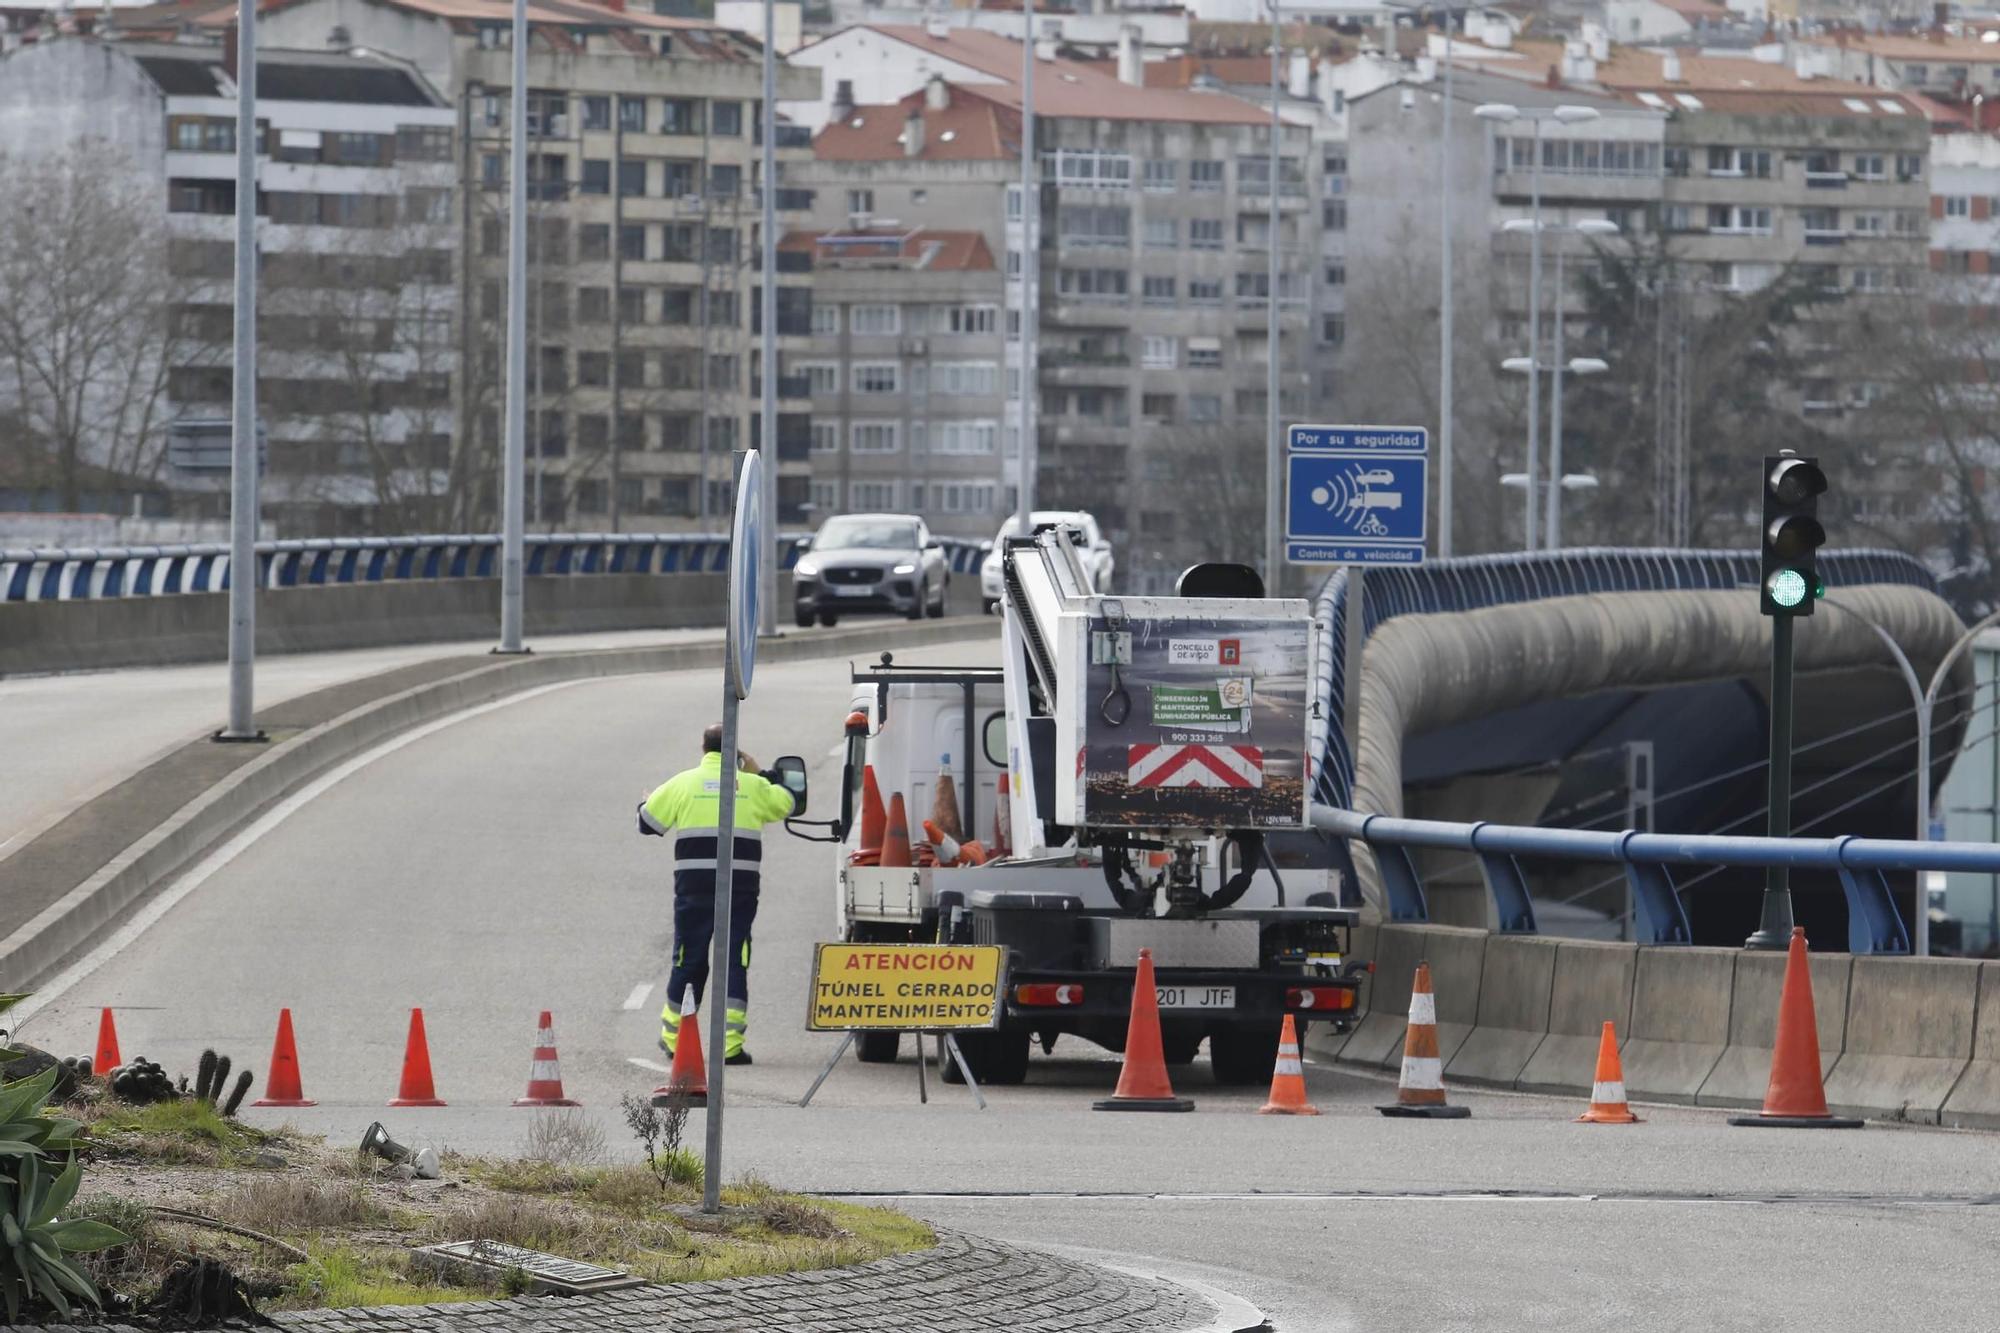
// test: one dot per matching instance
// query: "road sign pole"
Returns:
(1354, 632)
(1774, 929)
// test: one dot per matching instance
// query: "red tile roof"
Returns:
(970, 128)
(1070, 87)
(922, 249)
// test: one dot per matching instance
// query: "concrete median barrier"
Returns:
(1455, 955)
(1975, 1102)
(1517, 975)
(1680, 1021)
(1909, 1037)
(1744, 1071)
(1592, 983)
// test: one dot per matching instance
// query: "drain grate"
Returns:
(547, 1272)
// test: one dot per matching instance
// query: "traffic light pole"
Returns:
(1774, 927)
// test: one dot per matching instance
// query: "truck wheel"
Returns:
(877, 1048)
(994, 1057)
(1243, 1057)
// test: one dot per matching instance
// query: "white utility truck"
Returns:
(1136, 774)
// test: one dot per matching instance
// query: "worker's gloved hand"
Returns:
(746, 764)
(644, 827)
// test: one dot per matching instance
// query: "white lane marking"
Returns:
(638, 995)
(644, 1063)
(218, 860)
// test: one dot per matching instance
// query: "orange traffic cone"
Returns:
(896, 838)
(1420, 1090)
(1142, 1083)
(868, 851)
(973, 854)
(944, 808)
(545, 1072)
(1795, 1098)
(415, 1088)
(946, 846)
(687, 1081)
(282, 1083)
(1607, 1093)
(107, 1058)
(1288, 1080)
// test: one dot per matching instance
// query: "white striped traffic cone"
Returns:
(545, 1074)
(1420, 1091)
(1607, 1093)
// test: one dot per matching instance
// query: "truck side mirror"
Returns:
(791, 771)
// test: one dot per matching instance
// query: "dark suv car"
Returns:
(870, 562)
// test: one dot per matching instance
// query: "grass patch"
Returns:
(188, 1132)
(347, 1276)
(291, 1205)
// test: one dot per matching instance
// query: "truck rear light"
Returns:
(1046, 995)
(1319, 999)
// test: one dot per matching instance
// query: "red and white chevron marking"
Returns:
(1194, 766)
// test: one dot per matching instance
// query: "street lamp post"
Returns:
(1273, 445)
(1585, 227)
(514, 468)
(1568, 114)
(1924, 698)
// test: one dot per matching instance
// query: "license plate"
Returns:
(1196, 997)
(859, 590)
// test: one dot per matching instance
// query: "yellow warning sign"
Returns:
(905, 987)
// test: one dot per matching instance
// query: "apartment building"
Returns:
(904, 370)
(644, 254)
(358, 301)
(1954, 65)
(1154, 246)
(1965, 209)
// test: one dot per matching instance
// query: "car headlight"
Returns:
(806, 569)
(906, 569)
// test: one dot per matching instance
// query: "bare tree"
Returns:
(85, 293)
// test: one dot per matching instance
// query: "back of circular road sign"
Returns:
(746, 553)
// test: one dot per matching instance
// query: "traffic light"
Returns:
(1792, 535)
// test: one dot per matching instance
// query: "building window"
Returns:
(825, 495)
(632, 177)
(864, 496)
(1958, 206)
(875, 320)
(1909, 166)
(593, 369)
(1205, 233)
(1205, 177)
(825, 318)
(725, 119)
(1158, 290)
(1204, 353)
(1740, 220)
(1871, 167)
(873, 437)
(860, 203)
(965, 379)
(596, 176)
(1204, 291)
(826, 437)
(632, 114)
(876, 377)
(593, 242)
(1333, 214)
(680, 115)
(1820, 223)
(1157, 407)
(631, 241)
(597, 113)
(1088, 167)
(973, 319)
(1333, 329)
(1162, 233)
(822, 377)
(1162, 175)
(1750, 162)
(1204, 407)
(1101, 284)
(1336, 274)
(966, 437)
(1087, 225)
(1157, 353)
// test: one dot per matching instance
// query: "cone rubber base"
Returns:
(664, 1098)
(1144, 1104)
(1307, 1109)
(1401, 1112)
(1796, 1121)
(288, 1101)
(417, 1101)
(1588, 1119)
(547, 1101)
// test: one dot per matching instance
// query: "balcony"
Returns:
(1826, 180)
(1825, 236)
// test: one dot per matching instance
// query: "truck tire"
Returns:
(1242, 1057)
(996, 1058)
(877, 1048)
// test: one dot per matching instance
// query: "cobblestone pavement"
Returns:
(965, 1284)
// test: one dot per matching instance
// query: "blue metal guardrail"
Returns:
(1874, 925)
(43, 575)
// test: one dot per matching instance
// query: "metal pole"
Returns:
(514, 468)
(767, 569)
(1554, 526)
(1921, 903)
(1273, 442)
(718, 952)
(1534, 330)
(1444, 302)
(1774, 928)
(243, 459)
(1031, 267)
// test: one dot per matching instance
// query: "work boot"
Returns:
(666, 1050)
(740, 1058)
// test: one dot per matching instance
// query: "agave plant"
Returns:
(39, 1176)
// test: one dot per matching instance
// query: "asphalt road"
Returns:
(488, 868)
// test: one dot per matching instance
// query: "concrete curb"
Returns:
(1680, 1021)
(1592, 983)
(1516, 979)
(1975, 1102)
(74, 921)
